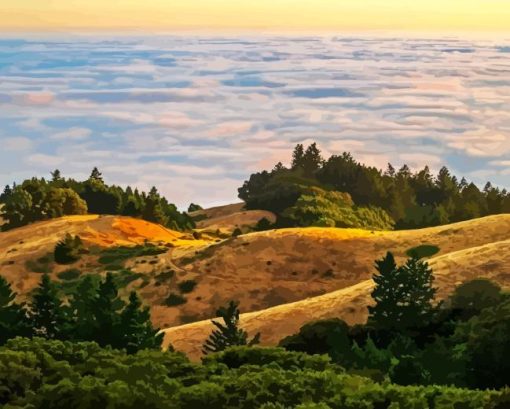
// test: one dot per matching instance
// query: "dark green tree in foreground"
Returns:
(48, 317)
(137, 330)
(403, 295)
(12, 316)
(228, 334)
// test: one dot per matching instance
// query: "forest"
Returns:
(38, 199)
(342, 192)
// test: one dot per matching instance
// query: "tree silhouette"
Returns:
(13, 316)
(106, 312)
(137, 330)
(403, 295)
(228, 334)
(47, 315)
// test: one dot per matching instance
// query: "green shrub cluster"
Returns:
(54, 374)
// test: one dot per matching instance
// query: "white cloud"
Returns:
(17, 143)
(72, 134)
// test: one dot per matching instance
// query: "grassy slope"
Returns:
(476, 248)
(290, 276)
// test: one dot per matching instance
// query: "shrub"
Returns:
(422, 251)
(187, 286)
(70, 274)
(69, 250)
(237, 232)
(174, 300)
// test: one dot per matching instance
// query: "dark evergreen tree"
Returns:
(312, 160)
(96, 175)
(106, 311)
(83, 309)
(56, 176)
(403, 295)
(153, 210)
(5, 194)
(297, 156)
(228, 334)
(47, 316)
(136, 327)
(13, 316)
(68, 250)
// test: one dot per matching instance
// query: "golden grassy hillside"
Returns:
(227, 218)
(23, 250)
(290, 276)
(333, 267)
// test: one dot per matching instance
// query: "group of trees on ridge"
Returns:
(40, 199)
(316, 191)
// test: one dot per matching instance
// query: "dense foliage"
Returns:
(54, 374)
(410, 199)
(462, 341)
(93, 312)
(40, 199)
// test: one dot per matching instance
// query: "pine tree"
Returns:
(82, 305)
(137, 330)
(13, 316)
(56, 176)
(228, 334)
(312, 160)
(106, 312)
(96, 175)
(297, 156)
(47, 315)
(403, 295)
(153, 209)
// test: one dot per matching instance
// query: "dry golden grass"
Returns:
(284, 277)
(476, 248)
(227, 218)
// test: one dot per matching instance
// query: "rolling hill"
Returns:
(282, 278)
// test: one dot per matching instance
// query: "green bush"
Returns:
(70, 274)
(422, 251)
(174, 300)
(69, 250)
(187, 286)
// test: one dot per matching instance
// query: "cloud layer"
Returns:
(196, 115)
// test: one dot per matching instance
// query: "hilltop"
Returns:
(467, 250)
(283, 278)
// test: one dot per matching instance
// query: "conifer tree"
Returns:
(47, 316)
(136, 327)
(13, 316)
(403, 295)
(56, 176)
(312, 160)
(228, 334)
(106, 312)
(96, 175)
(297, 156)
(82, 306)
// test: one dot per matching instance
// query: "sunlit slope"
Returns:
(229, 217)
(19, 247)
(476, 248)
(266, 269)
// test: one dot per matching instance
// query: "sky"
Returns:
(442, 15)
(196, 115)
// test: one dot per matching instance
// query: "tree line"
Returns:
(94, 312)
(410, 199)
(38, 199)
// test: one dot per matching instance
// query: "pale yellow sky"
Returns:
(306, 15)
